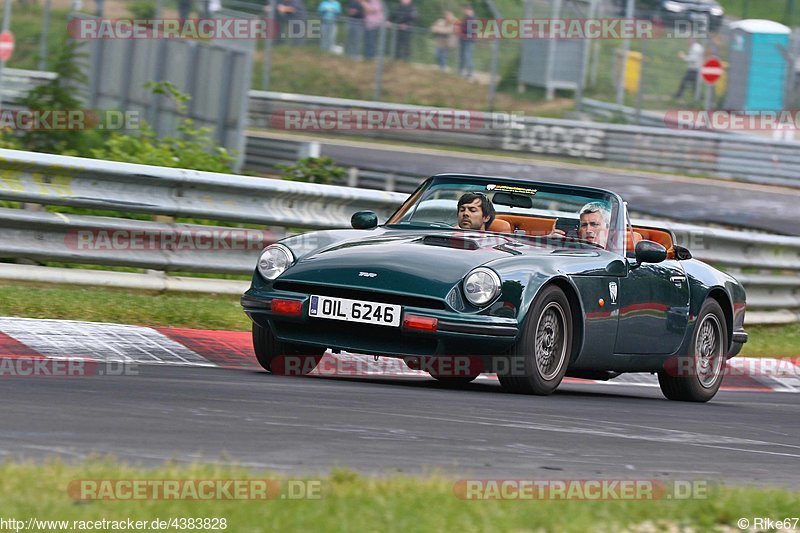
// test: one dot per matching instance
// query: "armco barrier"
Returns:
(58, 180)
(746, 157)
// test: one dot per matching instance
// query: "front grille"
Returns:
(360, 294)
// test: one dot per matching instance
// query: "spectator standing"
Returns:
(466, 43)
(374, 18)
(404, 17)
(445, 33)
(355, 28)
(290, 18)
(694, 61)
(329, 11)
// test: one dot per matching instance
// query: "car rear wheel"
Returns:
(283, 358)
(538, 361)
(700, 379)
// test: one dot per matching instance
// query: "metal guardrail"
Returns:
(722, 155)
(70, 181)
(79, 182)
(744, 157)
(17, 82)
(608, 112)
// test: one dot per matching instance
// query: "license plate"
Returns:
(355, 311)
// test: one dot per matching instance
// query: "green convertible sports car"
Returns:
(531, 281)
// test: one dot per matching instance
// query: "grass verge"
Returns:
(100, 304)
(221, 311)
(351, 502)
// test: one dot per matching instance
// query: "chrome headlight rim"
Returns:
(486, 300)
(289, 261)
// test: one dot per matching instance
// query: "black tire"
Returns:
(539, 371)
(282, 358)
(706, 368)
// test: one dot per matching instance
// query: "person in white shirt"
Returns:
(694, 61)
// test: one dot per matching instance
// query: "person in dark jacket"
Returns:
(466, 43)
(404, 18)
(355, 29)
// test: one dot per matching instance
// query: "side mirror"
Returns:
(364, 220)
(681, 253)
(650, 252)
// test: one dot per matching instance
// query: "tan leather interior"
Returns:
(500, 225)
(530, 225)
(632, 238)
(656, 235)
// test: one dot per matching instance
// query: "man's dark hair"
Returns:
(486, 205)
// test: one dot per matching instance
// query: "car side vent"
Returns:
(450, 242)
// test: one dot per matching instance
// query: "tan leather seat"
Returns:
(632, 238)
(501, 226)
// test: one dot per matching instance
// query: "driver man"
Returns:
(595, 220)
(475, 211)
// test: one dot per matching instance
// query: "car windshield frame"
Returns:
(451, 186)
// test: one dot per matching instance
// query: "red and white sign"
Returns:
(712, 70)
(6, 45)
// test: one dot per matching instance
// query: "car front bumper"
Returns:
(455, 334)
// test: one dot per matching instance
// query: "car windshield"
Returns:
(526, 209)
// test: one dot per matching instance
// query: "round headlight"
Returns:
(274, 260)
(481, 286)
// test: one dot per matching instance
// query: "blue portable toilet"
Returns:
(758, 65)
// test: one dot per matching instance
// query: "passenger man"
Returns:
(475, 211)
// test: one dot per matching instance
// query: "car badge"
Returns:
(612, 290)
(367, 274)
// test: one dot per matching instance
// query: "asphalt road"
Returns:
(695, 200)
(308, 425)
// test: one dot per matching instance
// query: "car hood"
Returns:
(429, 263)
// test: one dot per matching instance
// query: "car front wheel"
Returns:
(538, 361)
(700, 375)
(283, 358)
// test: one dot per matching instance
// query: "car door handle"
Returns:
(677, 280)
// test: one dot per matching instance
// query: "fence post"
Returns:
(43, 38)
(6, 24)
(379, 64)
(626, 46)
(352, 177)
(493, 78)
(271, 28)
